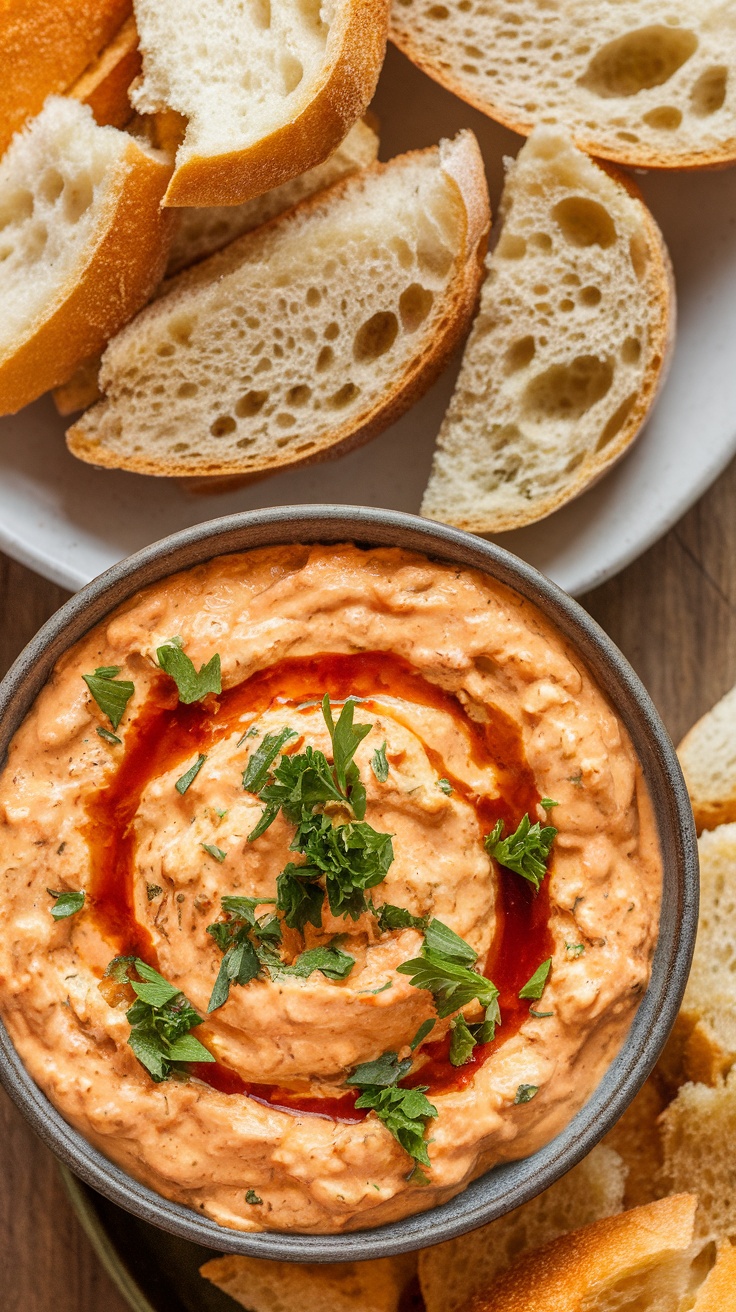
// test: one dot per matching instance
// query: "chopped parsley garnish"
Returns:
(540, 1015)
(188, 778)
(462, 1041)
(215, 852)
(192, 687)
(445, 787)
(576, 949)
(250, 946)
(425, 1028)
(391, 917)
(109, 737)
(526, 851)
(343, 858)
(379, 764)
(534, 987)
(547, 803)
(404, 1112)
(161, 1020)
(526, 1092)
(252, 1197)
(66, 904)
(444, 969)
(111, 694)
(153, 891)
(256, 771)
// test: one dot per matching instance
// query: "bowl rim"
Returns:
(510, 1184)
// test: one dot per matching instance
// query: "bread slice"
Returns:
(641, 1261)
(83, 242)
(267, 91)
(201, 232)
(450, 1274)
(698, 1133)
(306, 337)
(707, 1020)
(263, 1286)
(637, 1140)
(718, 1291)
(105, 84)
(568, 350)
(638, 84)
(44, 46)
(708, 758)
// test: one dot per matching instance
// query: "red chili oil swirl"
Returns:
(167, 733)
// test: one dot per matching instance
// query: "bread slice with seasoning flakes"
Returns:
(264, 1286)
(200, 232)
(708, 758)
(265, 91)
(83, 243)
(644, 1260)
(451, 1274)
(306, 337)
(569, 348)
(45, 45)
(636, 83)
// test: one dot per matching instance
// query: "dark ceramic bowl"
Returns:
(506, 1186)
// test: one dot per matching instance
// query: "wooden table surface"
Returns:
(673, 614)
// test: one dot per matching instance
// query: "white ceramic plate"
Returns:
(70, 521)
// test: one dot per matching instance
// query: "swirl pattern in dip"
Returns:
(484, 711)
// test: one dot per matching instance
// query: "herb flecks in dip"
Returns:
(419, 950)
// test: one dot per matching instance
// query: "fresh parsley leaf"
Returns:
(445, 787)
(192, 687)
(526, 1092)
(239, 965)
(111, 694)
(540, 1015)
(391, 917)
(534, 987)
(109, 737)
(388, 984)
(440, 938)
(256, 771)
(299, 897)
(243, 939)
(379, 764)
(346, 738)
(453, 986)
(331, 961)
(405, 1113)
(213, 851)
(576, 949)
(153, 891)
(252, 1197)
(387, 1070)
(190, 775)
(161, 1019)
(425, 1028)
(462, 1041)
(547, 803)
(66, 904)
(526, 851)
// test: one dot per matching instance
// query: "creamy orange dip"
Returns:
(484, 711)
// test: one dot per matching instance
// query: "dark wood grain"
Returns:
(673, 614)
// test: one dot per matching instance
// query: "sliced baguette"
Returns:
(83, 242)
(641, 1261)
(707, 1020)
(263, 1286)
(267, 92)
(708, 758)
(637, 1140)
(568, 350)
(44, 46)
(698, 1133)
(718, 1291)
(201, 232)
(306, 337)
(636, 83)
(105, 84)
(450, 1274)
